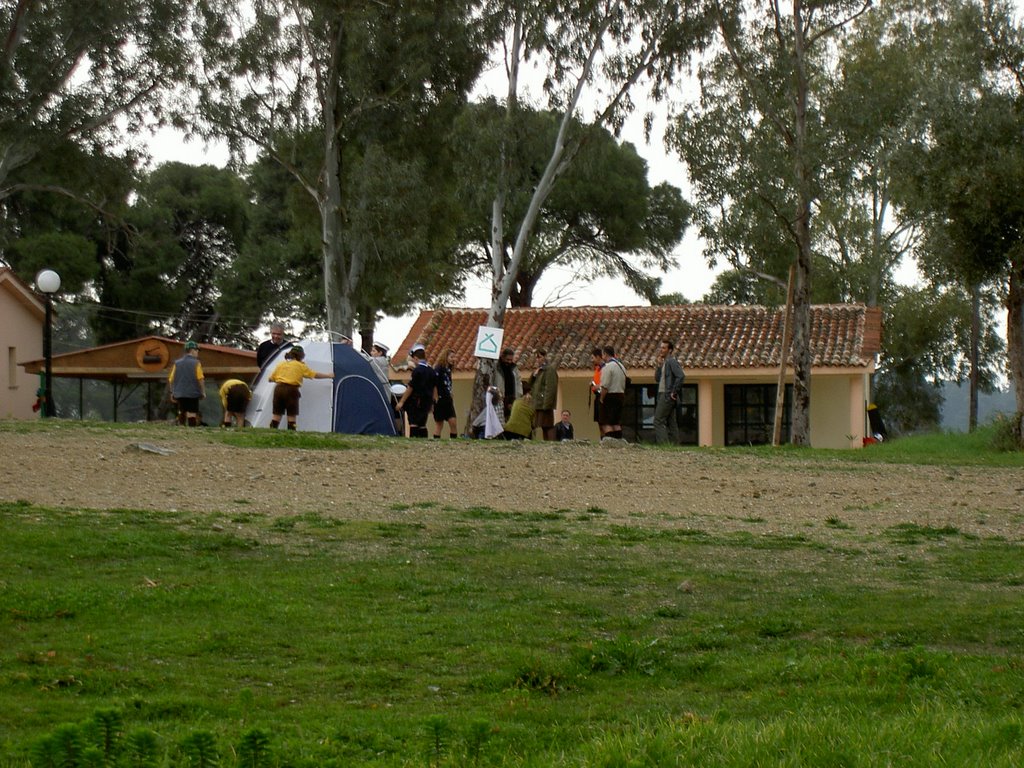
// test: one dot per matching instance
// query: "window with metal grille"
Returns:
(750, 413)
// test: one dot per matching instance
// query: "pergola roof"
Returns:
(146, 359)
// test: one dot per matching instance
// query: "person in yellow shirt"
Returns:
(234, 396)
(288, 377)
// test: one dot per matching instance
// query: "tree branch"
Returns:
(19, 22)
(70, 194)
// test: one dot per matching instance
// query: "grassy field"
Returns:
(480, 637)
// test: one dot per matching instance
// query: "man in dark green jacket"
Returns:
(544, 389)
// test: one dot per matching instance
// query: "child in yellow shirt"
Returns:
(288, 378)
(234, 397)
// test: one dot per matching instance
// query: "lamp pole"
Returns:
(48, 283)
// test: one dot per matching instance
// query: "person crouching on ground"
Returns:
(288, 377)
(234, 396)
(520, 423)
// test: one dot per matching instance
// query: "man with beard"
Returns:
(508, 381)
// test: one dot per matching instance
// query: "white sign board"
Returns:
(488, 342)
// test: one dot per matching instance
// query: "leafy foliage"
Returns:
(141, 748)
(74, 76)
(254, 749)
(188, 222)
(601, 219)
(383, 78)
(199, 750)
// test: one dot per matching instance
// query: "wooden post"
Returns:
(787, 333)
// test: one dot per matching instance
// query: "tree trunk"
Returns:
(338, 288)
(801, 414)
(367, 328)
(801, 418)
(499, 277)
(975, 377)
(1015, 339)
(522, 292)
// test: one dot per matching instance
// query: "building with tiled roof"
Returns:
(730, 354)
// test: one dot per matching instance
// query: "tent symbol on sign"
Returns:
(487, 344)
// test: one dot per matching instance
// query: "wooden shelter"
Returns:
(147, 361)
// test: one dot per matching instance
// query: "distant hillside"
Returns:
(954, 410)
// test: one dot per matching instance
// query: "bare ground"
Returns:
(712, 490)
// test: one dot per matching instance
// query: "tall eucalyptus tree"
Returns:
(594, 56)
(603, 218)
(761, 110)
(360, 76)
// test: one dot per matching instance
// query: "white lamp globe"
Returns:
(48, 281)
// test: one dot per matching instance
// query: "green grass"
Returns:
(484, 638)
(479, 636)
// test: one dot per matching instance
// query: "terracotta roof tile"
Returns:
(706, 336)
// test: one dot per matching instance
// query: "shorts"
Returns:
(611, 408)
(286, 399)
(444, 408)
(417, 409)
(238, 398)
(188, 405)
(544, 419)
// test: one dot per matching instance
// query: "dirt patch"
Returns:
(713, 490)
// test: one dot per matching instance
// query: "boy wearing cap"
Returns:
(420, 395)
(288, 377)
(186, 382)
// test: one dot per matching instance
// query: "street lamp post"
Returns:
(48, 283)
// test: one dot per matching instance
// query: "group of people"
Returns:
(530, 406)
(187, 385)
(429, 392)
(512, 408)
(524, 406)
(608, 387)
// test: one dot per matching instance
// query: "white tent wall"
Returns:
(316, 406)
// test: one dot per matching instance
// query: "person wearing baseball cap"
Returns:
(187, 385)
